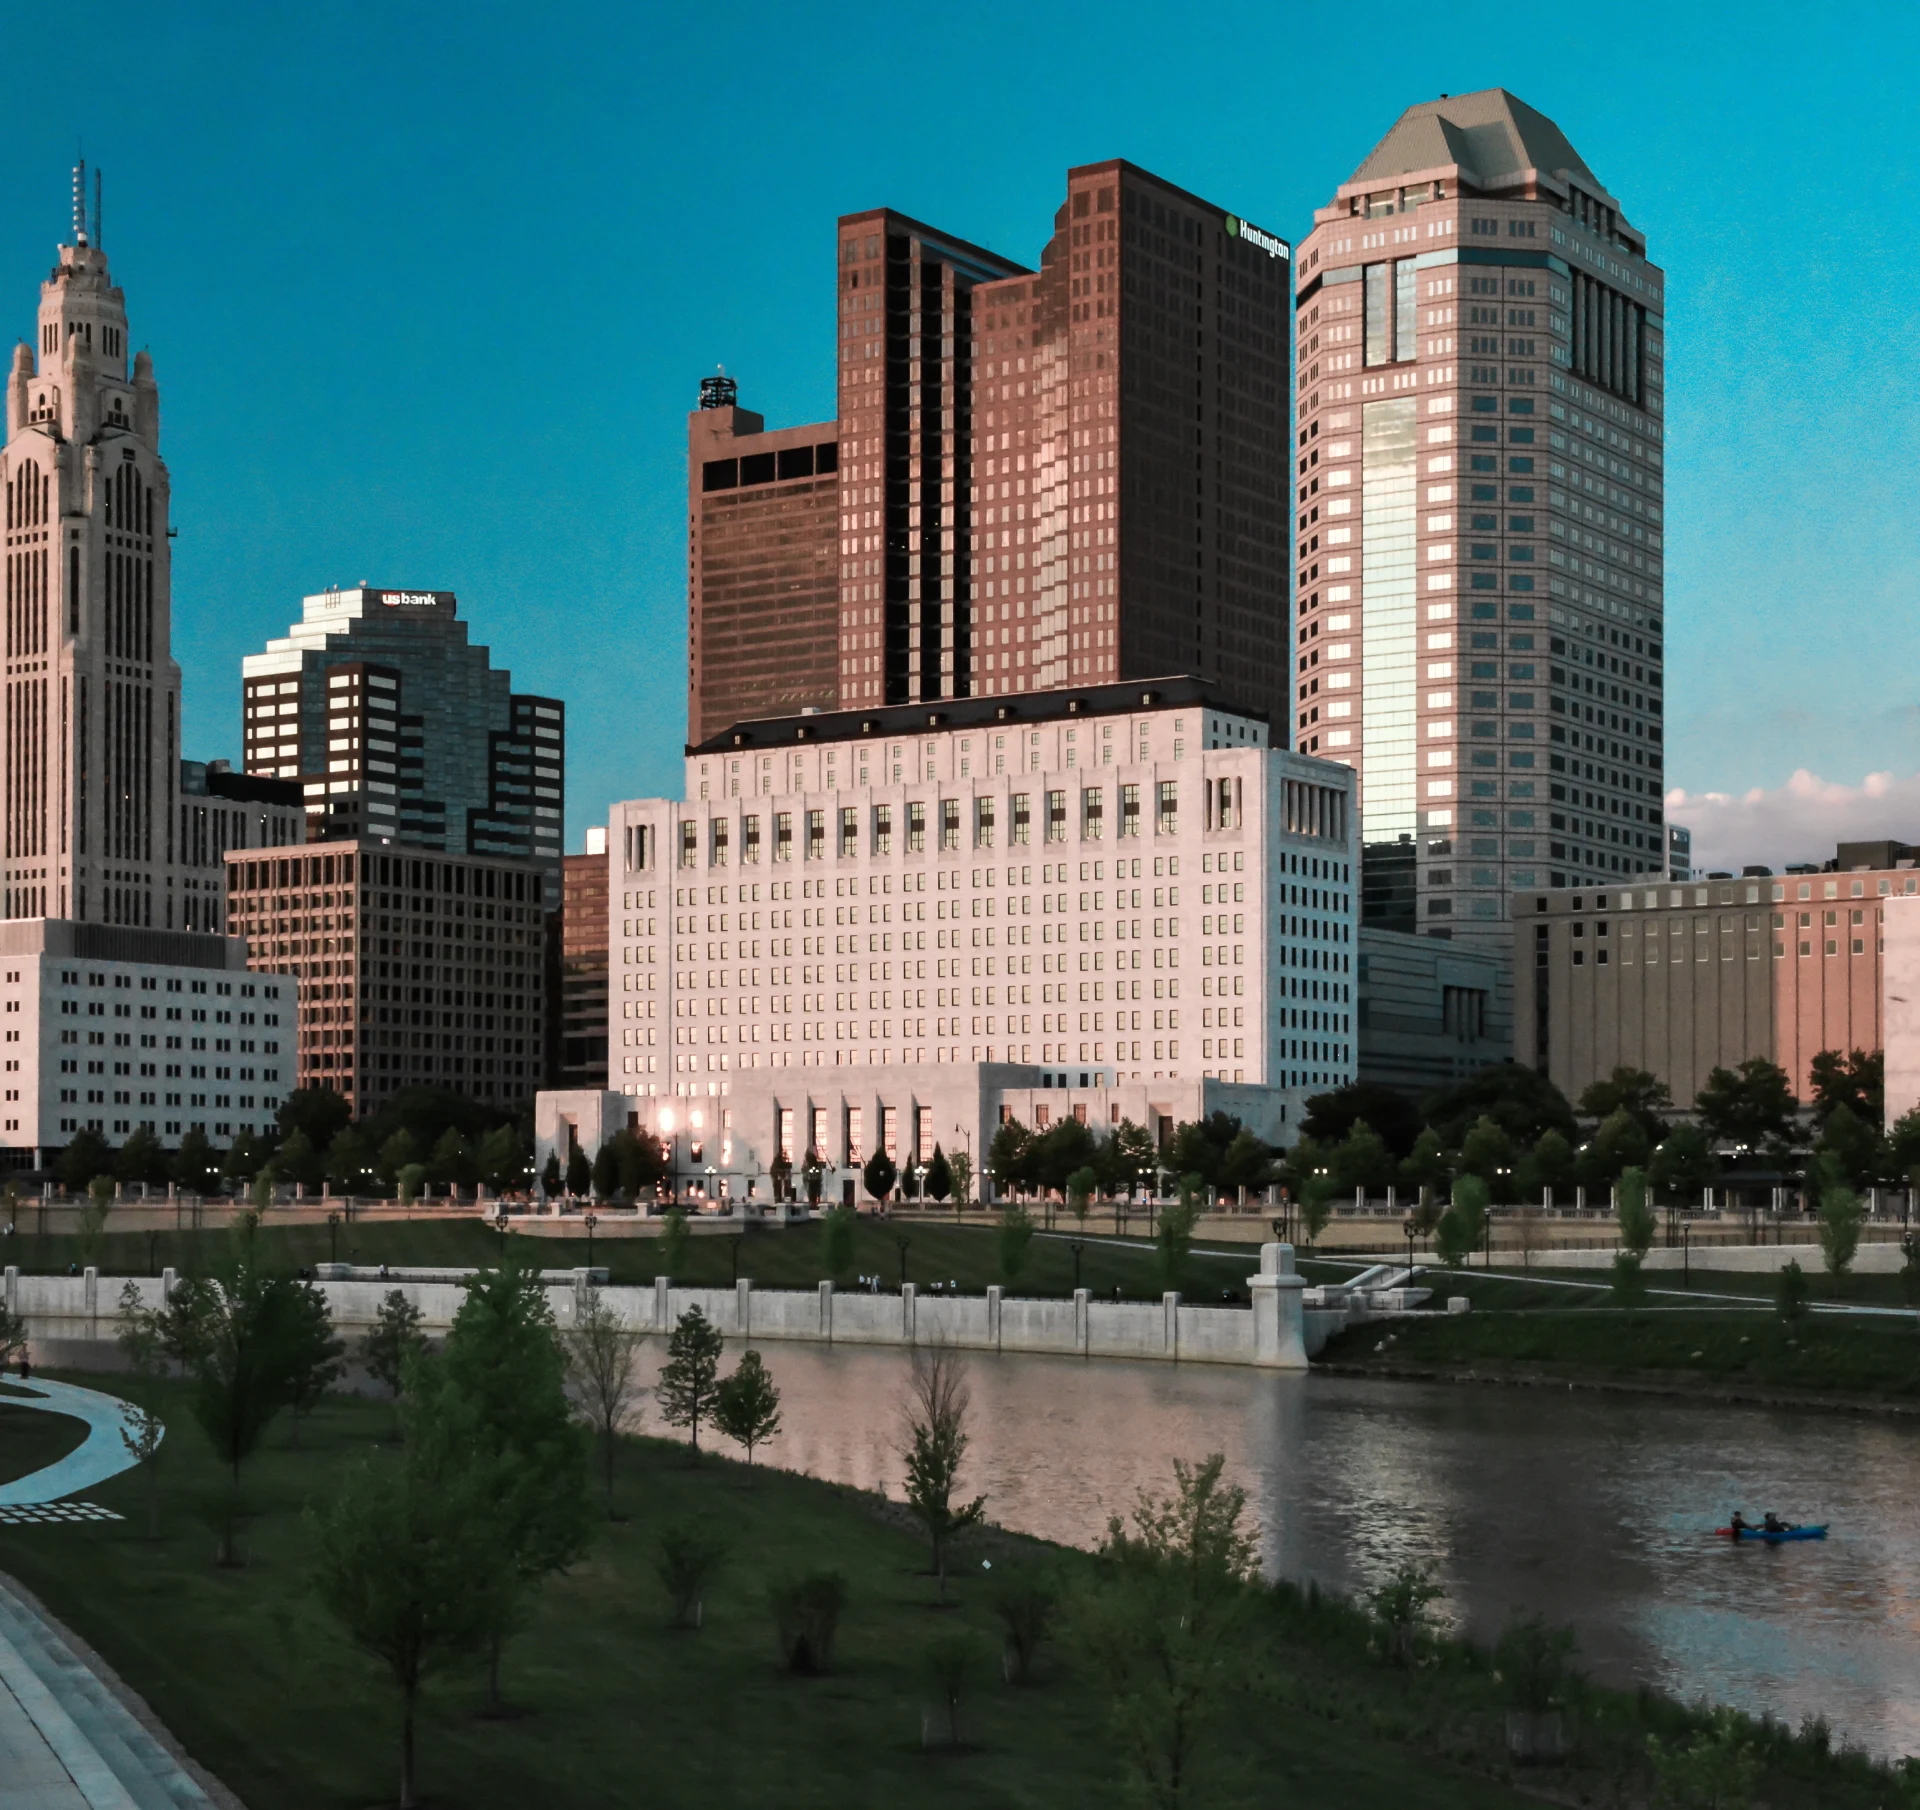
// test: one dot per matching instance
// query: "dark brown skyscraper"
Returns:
(763, 584)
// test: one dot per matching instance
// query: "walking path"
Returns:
(70, 1739)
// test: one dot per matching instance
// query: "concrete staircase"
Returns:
(66, 1741)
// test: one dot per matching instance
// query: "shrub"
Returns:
(1028, 1604)
(1531, 1659)
(806, 1614)
(1840, 1217)
(689, 1560)
(1790, 1293)
(1402, 1611)
(952, 1662)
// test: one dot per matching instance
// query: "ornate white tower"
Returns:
(92, 710)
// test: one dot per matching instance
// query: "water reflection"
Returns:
(1595, 1510)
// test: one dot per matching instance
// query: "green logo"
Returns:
(1233, 227)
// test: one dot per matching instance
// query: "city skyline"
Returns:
(413, 479)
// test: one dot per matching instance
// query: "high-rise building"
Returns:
(763, 564)
(400, 730)
(1479, 454)
(415, 969)
(1069, 475)
(582, 1004)
(221, 810)
(90, 758)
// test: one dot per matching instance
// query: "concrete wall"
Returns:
(1275, 1333)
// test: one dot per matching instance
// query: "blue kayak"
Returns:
(1773, 1539)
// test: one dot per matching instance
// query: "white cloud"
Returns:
(1800, 821)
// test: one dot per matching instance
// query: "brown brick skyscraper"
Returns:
(1480, 517)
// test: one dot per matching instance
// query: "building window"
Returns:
(1056, 816)
(1017, 829)
(689, 843)
(717, 842)
(849, 831)
(783, 835)
(950, 823)
(983, 823)
(1129, 811)
(916, 827)
(750, 839)
(883, 829)
(816, 835)
(1167, 822)
(1092, 808)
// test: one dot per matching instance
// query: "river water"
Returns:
(1595, 1510)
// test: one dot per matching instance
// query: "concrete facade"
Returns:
(1123, 882)
(1480, 515)
(1431, 1011)
(1900, 996)
(1680, 980)
(114, 1029)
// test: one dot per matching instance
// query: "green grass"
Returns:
(1877, 1359)
(259, 1685)
(789, 1258)
(31, 1439)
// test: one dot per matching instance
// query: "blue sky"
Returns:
(429, 290)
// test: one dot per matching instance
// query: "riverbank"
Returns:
(262, 1688)
(1726, 1354)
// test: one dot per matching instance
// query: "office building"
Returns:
(1113, 885)
(91, 749)
(1429, 1012)
(1680, 853)
(114, 1029)
(583, 967)
(1680, 980)
(221, 810)
(763, 564)
(416, 969)
(1479, 511)
(1067, 475)
(399, 730)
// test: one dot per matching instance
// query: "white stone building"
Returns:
(113, 1029)
(1088, 889)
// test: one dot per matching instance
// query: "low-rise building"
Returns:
(1682, 979)
(1431, 1010)
(417, 969)
(115, 1029)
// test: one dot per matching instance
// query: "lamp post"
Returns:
(900, 1243)
(1408, 1227)
(733, 1250)
(590, 1221)
(959, 1205)
(710, 1175)
(333, 1237)
(500, 1223)
(1076, 1246)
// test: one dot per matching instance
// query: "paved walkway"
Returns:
(102, 1454)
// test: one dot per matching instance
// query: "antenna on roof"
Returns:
(80, 201)
(99, 238)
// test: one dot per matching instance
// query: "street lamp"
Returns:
(1076, 1246)
(901, 1241)
(1408, 1227)
(500, 1222)
(333, 1237)
(590, 1221)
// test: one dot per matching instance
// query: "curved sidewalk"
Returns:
(102, 1454)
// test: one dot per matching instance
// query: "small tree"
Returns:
(390, 1347)
(836, 1241)
(688, 1380)
(411, 1179)
(1402, 1611)
(936, 1442)
(961, 1164)
(1910, 1269)
(395, 1154)
(1634, 1214)
(297, 1161)
(953, 1662)
(1013, 1242)
(550, 1177)
(1629, 1281)
(315, 1353)
(88, 1154)
(1080, 1188)
(13, 1333)
(1841, 1216)
(1028, 1604)
(1316, 1207)
(689, 1559)
(1532, 1660)
(939, 1178)
(350, 1161)
(602, 1352)
(193, 1166)
(93, 1218)
(606, 1172)
(1790, 1293)
(806, 1614)
(879, 1175)
(676, 1241)
(141, 1428)
(141, 1158)
(1717, 1769)
(1173, 1236)
(746, 1407)
(579, 1173)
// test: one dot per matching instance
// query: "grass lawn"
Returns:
(790, 1258)
(31, 1439)
(1856, 1357)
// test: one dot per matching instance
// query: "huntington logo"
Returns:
(1242, 229)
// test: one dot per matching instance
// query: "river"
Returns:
(1596, 1510)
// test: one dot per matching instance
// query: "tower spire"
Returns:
(80, 201)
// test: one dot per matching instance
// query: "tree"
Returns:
(641, 1159)
(1126, 1156)
(606, 1172)
(1634, 1091)
(1629, 1280)
(411, 1179)
(935, 1413)
(603, 1351)
(837, 1230)
(953, 1661)
(1683, 1163)
(1169, 1628)
(1488, 1153)
(141, 1159)
(1426, 1171)
(579, 1174)
(1401, 1609)
(141, 1429)
(939, 1179)
(806, 1615)
(87, 1154)
(1007, 1155)
(1012, 1241)
(1635, 1216)
(1330, 1116)
(1547, 1167)
(397, 1153)
(879, 1175)
(1058, 1152)
(746, 1408)
(13, 1332)
(1316, 1207)
(1362, 1161)
(1520, 1100)
(246, 1156)
(1850, 1153)
(193, 1165)
(1620, 1143)
(409, 1556)
(314, 1351)
(1200, 1147)
(1173, 1236)
(499, 1385)
(297, 1161)
(1080, 1187)
(1469, 1210)
(451, 1164)
(550, 1177)
(1903, 1144)
(1841, 1215)
(502, 1160)
(1028, 1604)
(961, 1164)
(393, 1342)
(689, 1559)
(1717, 1769)
(688, 1379)
(676, 1241)
(1751, 1105)
(1791, 1291)
(319, 1112)
(1855, 1080)
(350, 1161)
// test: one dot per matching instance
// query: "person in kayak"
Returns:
(1771, 1523)
(1739, 1524)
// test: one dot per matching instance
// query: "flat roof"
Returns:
(1126, 698)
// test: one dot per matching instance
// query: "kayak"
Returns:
(1773, 1539)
